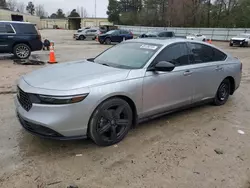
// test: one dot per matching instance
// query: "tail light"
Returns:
(131, 33)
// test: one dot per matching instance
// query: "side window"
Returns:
(176, 54)
(93, 30)
(219, 56)
(25, 28)
(6, 28)
(124, 32)
(169, 34)
(9, 29)
(163, 34)
(2, 28)
(200, 53)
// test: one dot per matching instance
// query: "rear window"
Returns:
(128, 55)
(202, 53)
(25, 29)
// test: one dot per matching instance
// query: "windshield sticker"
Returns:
(149, 47)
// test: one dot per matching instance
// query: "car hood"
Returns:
(74, 75)
(238, 38)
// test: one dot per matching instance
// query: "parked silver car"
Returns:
(87, 34)
(103, 97)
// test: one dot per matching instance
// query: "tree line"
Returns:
(180, 13)
(39, 10)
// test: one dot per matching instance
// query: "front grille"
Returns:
(24, 99)
(237, 42)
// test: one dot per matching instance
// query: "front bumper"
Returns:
(68, 121)
(46, 122)
(44, 132)
(238, 42)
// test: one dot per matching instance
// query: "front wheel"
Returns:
(223, 93)
(22, 51)
(110, 122)
(81, 37)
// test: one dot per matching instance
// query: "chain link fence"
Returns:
(220, 34)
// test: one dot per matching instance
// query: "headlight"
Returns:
(46, 99)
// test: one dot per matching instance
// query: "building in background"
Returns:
(7, 15)
(73, 23)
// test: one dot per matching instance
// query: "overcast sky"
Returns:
(51, 6)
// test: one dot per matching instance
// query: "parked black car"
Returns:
(115, 36)
(156, 34)
(19, 38)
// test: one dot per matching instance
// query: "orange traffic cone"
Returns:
(52, 58)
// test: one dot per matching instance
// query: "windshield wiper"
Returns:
(105, 64)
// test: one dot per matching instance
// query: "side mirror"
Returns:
(162, 66)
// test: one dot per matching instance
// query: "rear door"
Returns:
(207, 68)
(116, 36)
(7, 36)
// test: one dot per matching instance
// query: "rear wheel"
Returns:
(230, 44)
(108, 41)
(110, 122)
(223, 93)
(22, 51)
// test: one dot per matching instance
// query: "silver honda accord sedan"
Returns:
(103, 97)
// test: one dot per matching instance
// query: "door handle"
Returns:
(219, 69)
(10, 36)
(187, 73)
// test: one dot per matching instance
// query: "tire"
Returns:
(22, 51)
(107, 41)
(104, 128)
(222, 93)
(81, 37)
(230, 44)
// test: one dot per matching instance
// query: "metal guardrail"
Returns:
(220, 34)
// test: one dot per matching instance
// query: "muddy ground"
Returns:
(175, 151)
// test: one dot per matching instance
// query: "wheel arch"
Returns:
(232, 84)
(123, 97)
(21, 42)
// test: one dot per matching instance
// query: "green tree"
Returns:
(30, 8)
(60, 13)
(3, 4)
(74, 14)
(114, 11)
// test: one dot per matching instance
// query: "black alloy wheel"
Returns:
(110, 122)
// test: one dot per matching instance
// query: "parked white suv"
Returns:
(242, 39)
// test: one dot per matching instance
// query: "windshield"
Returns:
(79, 31)
(128, 55)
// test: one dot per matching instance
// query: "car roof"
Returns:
(162, 40)
(15, 22)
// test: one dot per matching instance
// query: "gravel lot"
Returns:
(175, 151)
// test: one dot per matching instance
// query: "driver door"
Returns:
(163, 91)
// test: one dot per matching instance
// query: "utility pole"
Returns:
(95, 14)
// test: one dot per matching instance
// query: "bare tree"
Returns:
(40, 11)
(12, 5)
(20, 7)
(85, 13)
